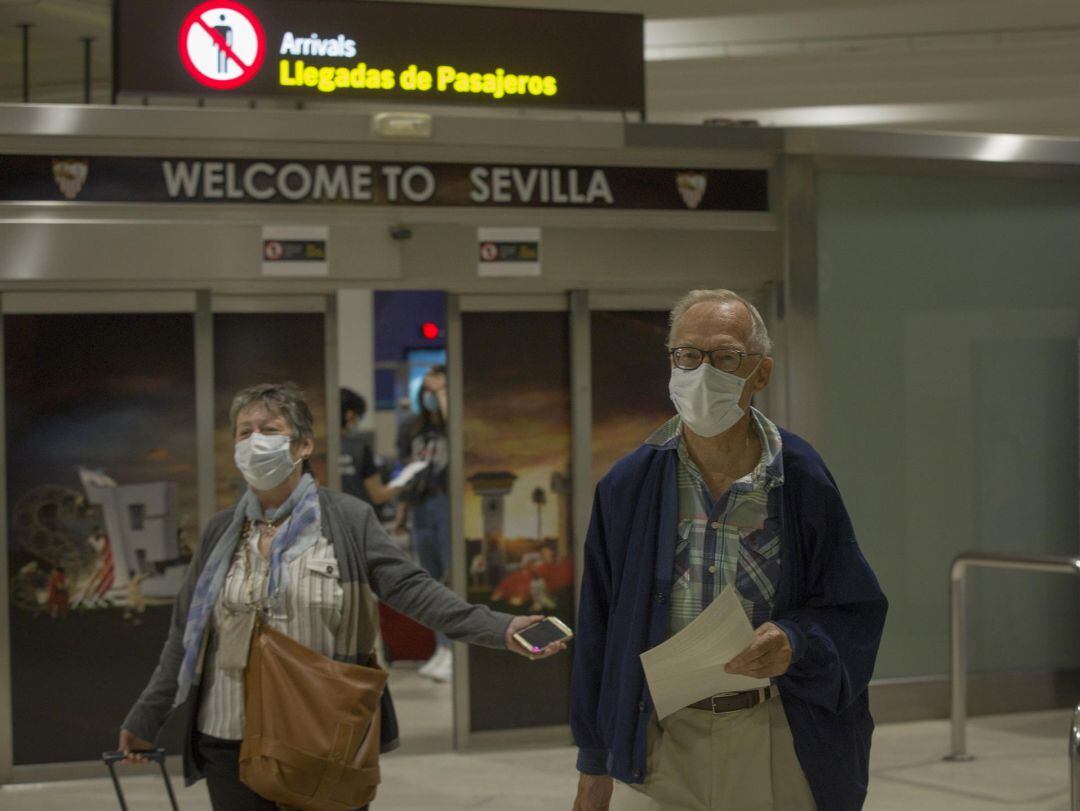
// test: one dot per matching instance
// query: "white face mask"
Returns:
(265, 460)
(431, 401)
(707, 399)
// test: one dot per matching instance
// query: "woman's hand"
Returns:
(401, 520)
(520, 623)
(129, 743)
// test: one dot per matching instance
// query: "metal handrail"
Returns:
(1074, 761)
(958, 628)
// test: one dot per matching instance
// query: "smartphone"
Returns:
(541, 634)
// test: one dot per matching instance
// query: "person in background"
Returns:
(360, 476)
(428, 502)
(408, 420)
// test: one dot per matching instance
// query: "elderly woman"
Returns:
(310, 558)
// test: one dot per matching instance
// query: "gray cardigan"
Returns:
(369, 562)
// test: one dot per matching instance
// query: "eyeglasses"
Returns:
(689, 358)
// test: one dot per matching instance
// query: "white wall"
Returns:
(949, 324)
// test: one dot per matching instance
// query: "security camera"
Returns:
(400, 232)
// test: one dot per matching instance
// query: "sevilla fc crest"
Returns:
(70, 176)
(691, 187)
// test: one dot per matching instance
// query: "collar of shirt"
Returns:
(307, 537)
(769, 471)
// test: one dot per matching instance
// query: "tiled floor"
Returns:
(1021, 765)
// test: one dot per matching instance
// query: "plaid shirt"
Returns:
(731, 541)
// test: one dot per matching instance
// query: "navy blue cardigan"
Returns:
(828, 602)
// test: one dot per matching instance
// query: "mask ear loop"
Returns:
(302, 459)
(750, 404)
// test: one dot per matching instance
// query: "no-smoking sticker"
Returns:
(222, 44)
(508, 251)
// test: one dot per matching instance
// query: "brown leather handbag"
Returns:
(311, 731)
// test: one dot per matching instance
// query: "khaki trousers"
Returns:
(736, 761)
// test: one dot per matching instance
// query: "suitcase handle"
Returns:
(157, 755)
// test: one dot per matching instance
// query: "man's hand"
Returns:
(769, 655)
(519, 623)
(593, 792)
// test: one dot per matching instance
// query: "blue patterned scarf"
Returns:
(302, 511)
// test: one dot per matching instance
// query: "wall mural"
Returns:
(517, 503)
(102, 500)
(102, 517)
(630, 373)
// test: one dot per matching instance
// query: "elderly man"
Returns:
(717, 497)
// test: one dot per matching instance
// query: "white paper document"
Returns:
(407, 473)
(690, 666)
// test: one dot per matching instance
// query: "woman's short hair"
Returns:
(280, 399)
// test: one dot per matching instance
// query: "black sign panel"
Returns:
(113, 179)
(526, 251)
(294, 250)
(416, 52)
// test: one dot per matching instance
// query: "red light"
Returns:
(429, 330)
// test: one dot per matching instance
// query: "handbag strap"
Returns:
(253, 700)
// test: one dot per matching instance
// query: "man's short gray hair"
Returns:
(757, 341)
(281, 399)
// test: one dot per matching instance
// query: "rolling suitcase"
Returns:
(156, 755)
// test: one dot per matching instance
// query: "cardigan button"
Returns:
(660, 597)
(641, 706)
(637, 774)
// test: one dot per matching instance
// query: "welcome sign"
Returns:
(423, 53)
(211, 180)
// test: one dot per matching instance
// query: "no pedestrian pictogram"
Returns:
(222, 44)
(489, 252)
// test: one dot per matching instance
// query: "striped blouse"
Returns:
(314, 604)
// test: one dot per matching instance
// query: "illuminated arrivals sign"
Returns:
(110, 179)
(379, 50)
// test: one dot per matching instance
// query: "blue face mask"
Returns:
(430, 401)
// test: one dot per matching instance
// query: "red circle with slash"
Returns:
(248, 70)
